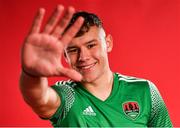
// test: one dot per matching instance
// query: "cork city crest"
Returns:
(131, 109)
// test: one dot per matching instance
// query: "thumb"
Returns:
(71, 73)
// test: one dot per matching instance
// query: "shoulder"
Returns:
(140, 84)
(127, 78)
(68, 84)
(134, 82)
(64, 88)
(63, 83)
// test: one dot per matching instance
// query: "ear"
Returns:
(109, 43)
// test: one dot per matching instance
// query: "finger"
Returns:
(71, 32)
(36, 26)
(64, 22)
(71, 74)
(54, 19)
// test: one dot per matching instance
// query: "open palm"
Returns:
(42, 51)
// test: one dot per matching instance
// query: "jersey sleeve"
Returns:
(66, 94)
(159, 116)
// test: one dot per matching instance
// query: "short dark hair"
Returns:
(90, 19)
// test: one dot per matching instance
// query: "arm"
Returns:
(159, 114)
(36, 92)
(41, 58)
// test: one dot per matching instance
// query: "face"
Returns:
(87, 54)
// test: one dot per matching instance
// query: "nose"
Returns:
(84, 55)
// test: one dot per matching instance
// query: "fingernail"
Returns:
(41, 10)
(60, 7)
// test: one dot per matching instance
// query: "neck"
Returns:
(102, 86)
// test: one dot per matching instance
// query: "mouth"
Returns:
(86, 67)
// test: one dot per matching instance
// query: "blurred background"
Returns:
(146, 36)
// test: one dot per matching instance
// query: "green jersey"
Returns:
(133, 102)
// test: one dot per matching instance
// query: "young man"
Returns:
(95, 96)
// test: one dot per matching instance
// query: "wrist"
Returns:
(28, 74)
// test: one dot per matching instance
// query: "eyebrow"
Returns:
(71, 47)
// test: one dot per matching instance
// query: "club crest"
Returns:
(131, 109)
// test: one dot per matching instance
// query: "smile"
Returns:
(86, 67)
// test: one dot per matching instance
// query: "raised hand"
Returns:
(42, 51)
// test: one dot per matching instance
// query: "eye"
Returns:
(91, 45)
(73, 50)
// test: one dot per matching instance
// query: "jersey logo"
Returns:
(131, 109)
(89, 111)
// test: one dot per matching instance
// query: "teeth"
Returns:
(87, 67)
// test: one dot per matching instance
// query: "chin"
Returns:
(84, 80)
(89, 78)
